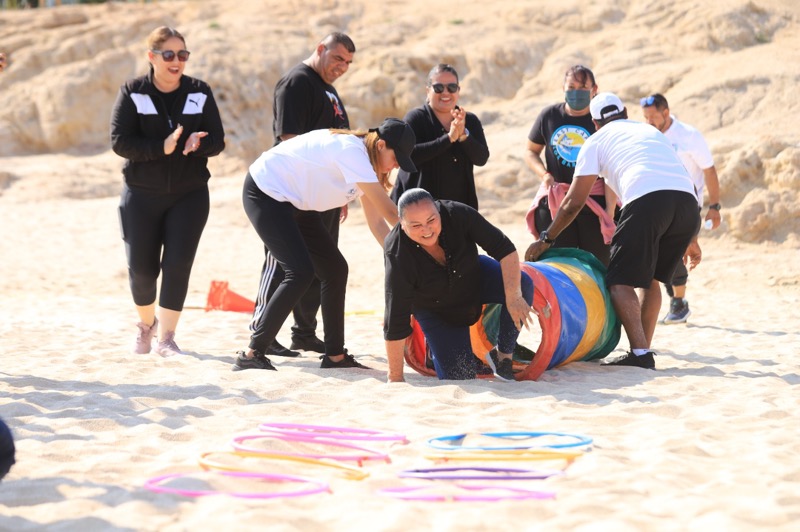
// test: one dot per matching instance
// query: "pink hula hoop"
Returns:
(367, 454)
(330, 432)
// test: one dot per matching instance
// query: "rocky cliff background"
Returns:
(730, 68)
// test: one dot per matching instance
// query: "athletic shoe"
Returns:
(678, 311)
(502, 368)
(167, 347)
(348, 361)
(310, 343)
(259, 361)
(645, 361)
(144, 338)
(276, 349)
(480, 367)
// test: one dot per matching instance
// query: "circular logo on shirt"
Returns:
(566, 142)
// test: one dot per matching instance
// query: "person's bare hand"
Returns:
(458, 125)
(172, 140)
(714, 216)
(693, 255)
(521, 313)
(343, 214)
(536, 249)
(193, 142)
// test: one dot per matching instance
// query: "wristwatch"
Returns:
(543, 237)
(715, 206)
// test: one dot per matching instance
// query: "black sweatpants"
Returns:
(161, 234)
(303, 248)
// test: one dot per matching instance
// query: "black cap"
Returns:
(401, 138)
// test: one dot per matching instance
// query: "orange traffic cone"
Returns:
(220, 298)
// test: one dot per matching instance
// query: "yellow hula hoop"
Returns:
(348, 472)
(515, 455)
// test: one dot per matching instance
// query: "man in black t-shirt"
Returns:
(305, 100)
(560, 130)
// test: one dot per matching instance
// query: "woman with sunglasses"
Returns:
(166, 125)
(450, 143)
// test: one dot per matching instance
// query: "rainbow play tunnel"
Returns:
(576, 317)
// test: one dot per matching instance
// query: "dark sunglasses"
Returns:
(452, 88)
(647, 102)
(169, 55)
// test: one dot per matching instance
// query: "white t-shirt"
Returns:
(317, 171)
(634, 158)
(693, 152)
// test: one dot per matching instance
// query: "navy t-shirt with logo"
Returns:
(562, 135)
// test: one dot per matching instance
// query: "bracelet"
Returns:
(715, 206)
(447, 442)
(154, 484)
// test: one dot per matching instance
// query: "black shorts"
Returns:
(651, 238)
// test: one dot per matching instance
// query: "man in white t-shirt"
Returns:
(696, 157)
(657, 225)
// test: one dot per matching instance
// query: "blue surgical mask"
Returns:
(578, 99)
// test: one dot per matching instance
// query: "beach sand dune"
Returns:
(710, 441)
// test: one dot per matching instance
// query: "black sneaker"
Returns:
(308, 343)
(503, 369)
(259, 361)
(276, 349)
(629, 359)
(348, 361)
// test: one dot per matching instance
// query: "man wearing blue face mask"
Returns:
(559, 131)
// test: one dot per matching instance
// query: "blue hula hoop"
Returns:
(580, 441)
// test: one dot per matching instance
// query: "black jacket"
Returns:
(445, 169)
(140, 122)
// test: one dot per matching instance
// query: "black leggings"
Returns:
(304, 249)
(161, 234)
(305, 312)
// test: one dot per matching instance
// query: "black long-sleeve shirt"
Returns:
(445, 169)
(415, 281)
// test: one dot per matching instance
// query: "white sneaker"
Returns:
(167, 347)
(144, 338)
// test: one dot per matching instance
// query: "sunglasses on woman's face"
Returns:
(438, 88)
(169, 55)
